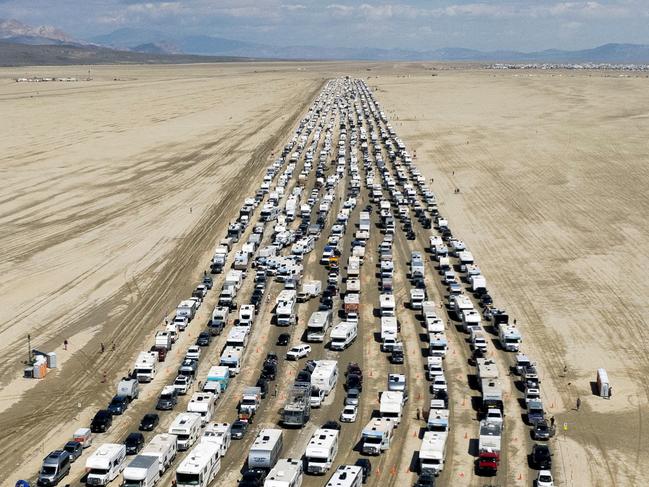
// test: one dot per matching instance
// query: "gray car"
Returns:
(74, 449)
(353, 397)
(56, 465)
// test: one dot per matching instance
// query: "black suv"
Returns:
(101, 422)
(541, 457)
(134, 443)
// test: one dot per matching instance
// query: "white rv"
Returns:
(231, 357)
(287, 472)
(317, 326)
(187, 428)
(202, 403)
(510, 338)
(377, 436)
(266, 449)
(387, 304)
(200, 466)
(219, 433)
(145, 366)
(343, 335)
(143, 471)
(163, 447)
(105, 464)
(346, 476)
(321, 451)
(391, 405)
(432, 452)
(238, 337)
(247, 315)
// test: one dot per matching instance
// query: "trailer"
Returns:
(219, 434)
(238, 337)
(510, 338)
(387, 304)
(202, 403)
(325, 375)
(351, 303)
(486, 369)
(145, 366)
(219, 374)
(249, 403)
(492, 394)
(432, 452)
(391, 405)
(353, 285)
(353, 266)
(105, 464)
(266, 449)
(438, 416)
(377, 435)
(287, 472)
(232, 357)
(163, 447)
(310, 289)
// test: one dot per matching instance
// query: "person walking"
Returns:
(102, 348)
(578, 403)
(610, 392)
(552, 421)
(275, 392)
(65, 344)
(418, 414)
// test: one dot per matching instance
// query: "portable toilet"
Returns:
(603, 385)
(51, 360)
(40, 367)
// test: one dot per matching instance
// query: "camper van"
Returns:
(200, 466)
(287, 472)
(231, 358)
(317, 326)
(55, 466)
(187, 427)
(377, 436)
(105, 464)
(432, 452)
(202, 403)
(164, 448)
(325, 375)
(321, 451)
(346, 476)
(219, 433)
(343, 335)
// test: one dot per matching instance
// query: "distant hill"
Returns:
(12, 54)
(15, 31)
(209, 45)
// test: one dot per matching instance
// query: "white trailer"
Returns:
(220, 434)
(247, 315)
(321, 451)
(343, 335)
(317, 326)
(164, 448)
(346, 476)
(487, 369)
(143, 471)
(285, 311)
(187, 428)
(202, 403)
(353, 266)
(478, 283)
(105, 464)
(377, 436)
(353, 285)
(310, 289)
(266, 449)
(364, 221)
(200, 466)
(438, 416)
(287, 472)
(432, 452)
(325, 375)
(391, 405)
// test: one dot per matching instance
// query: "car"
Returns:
(238, 429)
(455, 288)
(180, 322)
(442, 395)
(297, 352)
(545, 479)
(331, 425)
(439, 384)
(283, 339)
(149, 422)
(426, 479)
(118, 405)
(252, 478)
(541, 430)
(74, 449)
(102, 421)
(354, 368)
(349, 413)
(269, 370)
(204, 339)
(541, 457)
(353, 397)
(326, 303)
(193, 353)
(317, 397)
(396, 357)
(168, 399)
(411, 236)
(486, 300)
(366, 467)
(208, 282)
(182, 384)
(134, 443)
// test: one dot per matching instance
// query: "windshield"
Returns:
(187, 478)
(48, 470)
(373, 440)
(132, 483)
(99, 471)
(182, 437)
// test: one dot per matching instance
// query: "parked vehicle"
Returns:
(142, 472)
(105, 464)
(134, 443)
(149, 422)
(55, 467)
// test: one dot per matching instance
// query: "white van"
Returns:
(105, 464)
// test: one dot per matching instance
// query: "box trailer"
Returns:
(297, 409)
(325, 375)
(391, 405)
(105, 464)
(321, 451)
(266, 449)
(432, 452)
(377, 435)
(163, 447)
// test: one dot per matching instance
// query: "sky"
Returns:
(524, 25)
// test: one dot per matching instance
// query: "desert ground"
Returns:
(119, 188)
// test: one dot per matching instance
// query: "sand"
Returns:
(552, 173)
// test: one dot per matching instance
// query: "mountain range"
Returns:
(156, 43)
